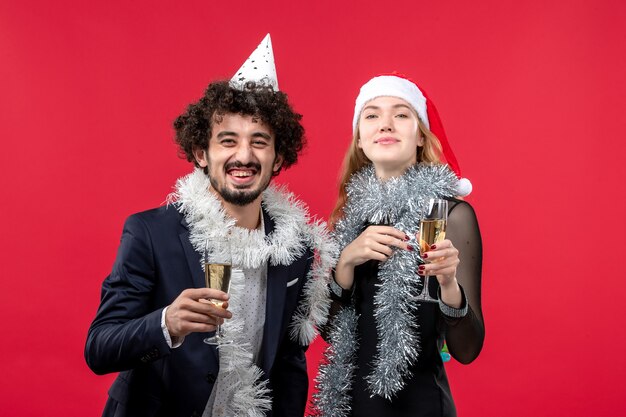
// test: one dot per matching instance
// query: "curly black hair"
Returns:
(193, 128)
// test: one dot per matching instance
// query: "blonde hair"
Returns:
(355, 160)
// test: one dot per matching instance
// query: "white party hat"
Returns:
(259, 67)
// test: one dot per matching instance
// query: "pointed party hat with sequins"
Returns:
(259, 67)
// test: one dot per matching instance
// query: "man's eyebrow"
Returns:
(257, 134)
(262, 135)
(225, 133)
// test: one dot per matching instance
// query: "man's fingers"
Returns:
(192, 317)
(200, 328)
(206, 293)
(207, 307)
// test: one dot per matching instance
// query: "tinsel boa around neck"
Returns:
(397, 202)
(208, 220)
(293, 233)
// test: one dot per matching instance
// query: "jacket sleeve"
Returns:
(127, 329)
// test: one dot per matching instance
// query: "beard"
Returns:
(241, 197)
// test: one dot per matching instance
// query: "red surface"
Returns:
(532, 98)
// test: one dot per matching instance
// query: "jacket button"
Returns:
(210, 378)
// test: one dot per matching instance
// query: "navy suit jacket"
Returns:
(154, 264)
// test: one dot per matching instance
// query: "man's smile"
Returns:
(242, 175)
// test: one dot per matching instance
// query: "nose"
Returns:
(244, 152)
(386, 123)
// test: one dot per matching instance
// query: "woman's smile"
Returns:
(387, 140)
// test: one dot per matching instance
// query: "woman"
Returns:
(383, 358)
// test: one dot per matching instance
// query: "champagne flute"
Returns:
(432, 230)
(217, 273)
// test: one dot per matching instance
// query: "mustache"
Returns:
(237, 164)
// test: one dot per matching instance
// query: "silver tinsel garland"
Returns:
(333, 399)
(398, 202)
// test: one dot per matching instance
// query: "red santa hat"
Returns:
(398, 85)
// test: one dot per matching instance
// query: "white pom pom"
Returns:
(463, 187)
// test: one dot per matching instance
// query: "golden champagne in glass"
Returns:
(432, 230)
(217, 274)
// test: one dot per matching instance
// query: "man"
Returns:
(154, 313)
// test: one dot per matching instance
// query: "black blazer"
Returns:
(154, 264)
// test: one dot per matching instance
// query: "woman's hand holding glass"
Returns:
(441, 261)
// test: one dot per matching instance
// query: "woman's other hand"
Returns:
(375, 243)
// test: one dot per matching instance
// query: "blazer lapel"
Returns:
(276, 290)
(193, 257)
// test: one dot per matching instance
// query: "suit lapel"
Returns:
(276, 290)
(193, 257)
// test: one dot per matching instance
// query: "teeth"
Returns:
(241, 173)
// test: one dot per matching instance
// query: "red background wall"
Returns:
(532, 97)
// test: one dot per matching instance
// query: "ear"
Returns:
(420, 140)
(201, 157)
(278, 162)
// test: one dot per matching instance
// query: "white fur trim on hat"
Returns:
(259, 67)
(391, 86)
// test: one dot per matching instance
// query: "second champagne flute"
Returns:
(432, 230)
